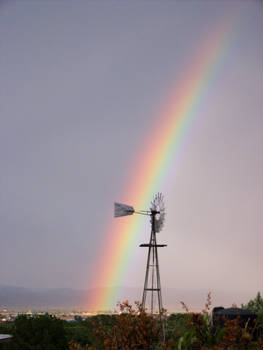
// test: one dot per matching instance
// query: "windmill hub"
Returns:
(154, 212)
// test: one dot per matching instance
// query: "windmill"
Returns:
(152, 282)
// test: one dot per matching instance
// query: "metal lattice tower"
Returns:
(152, 282)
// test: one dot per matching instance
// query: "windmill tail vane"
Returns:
(122, 210)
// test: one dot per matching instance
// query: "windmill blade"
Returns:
(122, 210)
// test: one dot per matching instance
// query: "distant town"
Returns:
(8, 315)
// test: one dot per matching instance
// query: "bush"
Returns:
(43, 332)
(133, 328)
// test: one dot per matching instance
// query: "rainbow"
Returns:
(160, 151)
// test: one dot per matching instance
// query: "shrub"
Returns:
(133, 328)
(38, 333)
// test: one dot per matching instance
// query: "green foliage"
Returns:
(255, 305)
(7, 328)
(78, 333)
(191, 332)
(82, 331)
(43, 332)
(178, 319)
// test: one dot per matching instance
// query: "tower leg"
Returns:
(160, 301)
(147, 274)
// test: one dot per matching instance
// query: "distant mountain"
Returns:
(72, 299)
(60, 298)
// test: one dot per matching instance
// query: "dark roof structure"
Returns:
(232, 311)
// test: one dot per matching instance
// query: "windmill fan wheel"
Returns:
(157, 205)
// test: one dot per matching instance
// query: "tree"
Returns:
(255, 305)
(42, 332)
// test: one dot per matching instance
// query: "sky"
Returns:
(81, 86)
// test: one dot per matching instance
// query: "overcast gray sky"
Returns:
(80, 84)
